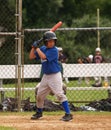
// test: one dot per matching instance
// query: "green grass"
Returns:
(73, 96)
(6, 128)
(52, 113)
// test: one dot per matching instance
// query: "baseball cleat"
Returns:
(37, 115)
(67, 117)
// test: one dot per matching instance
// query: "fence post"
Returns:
(19, 48)
(1, 91)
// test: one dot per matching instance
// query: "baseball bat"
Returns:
(56, 26)
(53, 29)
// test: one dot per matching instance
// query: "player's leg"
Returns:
(55, 83)
(42, 91)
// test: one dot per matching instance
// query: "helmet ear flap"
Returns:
(46, 42)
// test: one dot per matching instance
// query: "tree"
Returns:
(7, 15)
(40, 13)
(7, 24)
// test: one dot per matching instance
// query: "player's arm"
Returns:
(35, 52)
(32, 54)
(41, 54)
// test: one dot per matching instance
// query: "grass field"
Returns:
(73, 96)
(7, 128)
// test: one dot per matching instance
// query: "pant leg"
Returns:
(43, 91)
(56, 85)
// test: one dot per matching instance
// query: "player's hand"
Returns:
(35, 44)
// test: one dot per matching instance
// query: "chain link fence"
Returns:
(19, 75)
(7, 42)
(82, 90)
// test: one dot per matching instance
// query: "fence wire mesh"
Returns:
(79, 89)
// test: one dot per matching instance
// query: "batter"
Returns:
(52, 78)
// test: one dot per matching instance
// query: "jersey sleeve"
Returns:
(37, 56)
(52, 54)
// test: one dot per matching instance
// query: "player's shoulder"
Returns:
(43, 47)
(54, 49)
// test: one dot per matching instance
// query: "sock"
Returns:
(39, 110)
(66, 107)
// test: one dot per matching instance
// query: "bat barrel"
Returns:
(56, 26)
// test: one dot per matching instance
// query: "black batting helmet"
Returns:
(49, 36)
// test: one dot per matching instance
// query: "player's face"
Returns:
(51, 43)
(98, 52)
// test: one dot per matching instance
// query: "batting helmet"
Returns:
(49, 36)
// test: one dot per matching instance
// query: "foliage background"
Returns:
(73, 13)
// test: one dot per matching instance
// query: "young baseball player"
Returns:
(52, 78)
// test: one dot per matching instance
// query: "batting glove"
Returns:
(35, 44)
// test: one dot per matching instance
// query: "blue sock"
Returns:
(66, 107)
(39, 110)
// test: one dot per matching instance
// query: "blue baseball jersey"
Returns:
(49, 65)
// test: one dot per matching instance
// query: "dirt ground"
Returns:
(80, 122)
